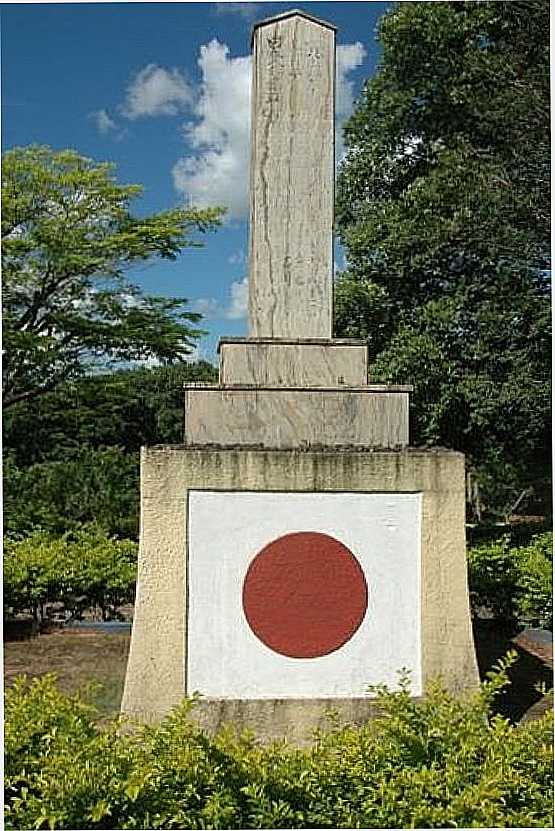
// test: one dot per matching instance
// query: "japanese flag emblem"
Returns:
(295, 595)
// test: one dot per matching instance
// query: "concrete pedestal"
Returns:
(300, 362)
(163, 656)
(286, 560)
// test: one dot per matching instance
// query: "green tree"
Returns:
(443, 209)
(88, 485)
(125, 409)
(89, 432)
(68, 239)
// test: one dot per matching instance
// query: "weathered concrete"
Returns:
(299, 363)
(156, 677)
(289, 442)
(289, 384)
(283, 417)
(292, 178)
(295, 718)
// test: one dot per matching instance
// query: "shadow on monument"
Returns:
(521, 699)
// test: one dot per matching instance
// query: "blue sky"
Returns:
(162, 90)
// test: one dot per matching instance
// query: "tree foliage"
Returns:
(69, 238)
(88, 432)
(125, 409)
(443, 209)
(85, 485)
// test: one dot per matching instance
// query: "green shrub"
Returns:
(515, 583)
(84, 569)
(89, 432)
(441, 762)
(534, 599)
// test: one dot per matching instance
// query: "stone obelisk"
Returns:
(292, 179)
(294, 550)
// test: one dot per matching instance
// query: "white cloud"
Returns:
(208, 307)
(218, 173)
(248, 11)
(104, 124)
(239, 300)
(348, 57)
(236, 309)
(237, 258)
(194, 355)
(156, 91)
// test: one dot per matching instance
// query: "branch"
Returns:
(9, 399)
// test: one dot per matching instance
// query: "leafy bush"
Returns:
(534, 599)
(435, 763)
(84, 569)
(515, 583)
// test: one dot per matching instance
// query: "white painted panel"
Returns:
(225, 532)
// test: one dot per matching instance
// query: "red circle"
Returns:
(304, 595)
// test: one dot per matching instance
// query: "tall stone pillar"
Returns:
(294, 549)
(292, 178)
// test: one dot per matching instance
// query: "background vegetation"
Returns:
(513, 583)
(443, 209)
(82, 570)
(88, 433)
(87, 570)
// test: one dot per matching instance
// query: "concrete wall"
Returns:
(156, 678)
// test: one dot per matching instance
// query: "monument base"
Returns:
(207, 511)
(295, 719)
(280, 417)
(298, 362)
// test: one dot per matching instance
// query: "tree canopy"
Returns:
(125, 409)
(443, 209)
(69, 239)
(89, 432)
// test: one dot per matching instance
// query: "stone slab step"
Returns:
(288, 418)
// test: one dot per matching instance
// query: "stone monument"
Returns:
(294, 549)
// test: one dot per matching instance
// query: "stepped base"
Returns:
(273, 362)
(371, 416)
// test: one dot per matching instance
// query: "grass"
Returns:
(76, 658)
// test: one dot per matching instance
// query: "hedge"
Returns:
(514, 582)
(87, 569)
(441, 762)
(84, 569)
